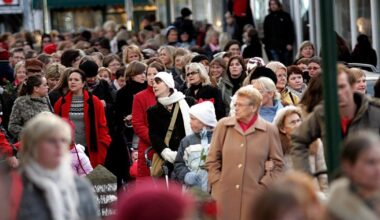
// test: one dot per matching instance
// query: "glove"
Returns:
(192, 178)
(169, 155)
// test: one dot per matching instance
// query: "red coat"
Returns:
(102, 138)
(5, 148)
(141, 102)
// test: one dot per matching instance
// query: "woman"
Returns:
(53, 73)
(50, 190)
(363, 51)
(286, 120)
(295, 81)
(360, 188)
(166, 55)
(32, 100)
(86, 111)
(211, 46)
(306, 50)
(235, 164)
(105, 74)
(71, 58)
(141, 103)
(233, 46)
(113, 63)
(61, 88)
(200, 88)
(132, 53)
(135, 83)
(361, 83)
(233, 80)
(287, 97)
(271, 102)
(217, 69)
(159, 118)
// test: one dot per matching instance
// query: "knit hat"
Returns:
(33, 65)
(204, 112)
(50, 48)
(167, 78)
(90, 68)
(168, 29)
(254, 62)
(263, 72)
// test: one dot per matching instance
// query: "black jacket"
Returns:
(278, 30)
(208, 92)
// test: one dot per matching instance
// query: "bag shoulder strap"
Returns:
(171, 126)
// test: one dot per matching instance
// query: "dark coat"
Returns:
(278, 30)
(97, 137)
(209, 92)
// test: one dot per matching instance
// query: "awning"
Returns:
(55, 4)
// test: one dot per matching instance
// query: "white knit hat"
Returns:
(254, 62)
(204, 112)
(167, 78)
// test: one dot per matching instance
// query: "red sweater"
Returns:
(102, 138)
(141, 102)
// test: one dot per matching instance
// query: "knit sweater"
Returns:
(77, 117)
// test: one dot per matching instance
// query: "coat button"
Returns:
(237, 186)
(241, 145)
(240, 165)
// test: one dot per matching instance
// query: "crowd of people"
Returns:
(189, 104)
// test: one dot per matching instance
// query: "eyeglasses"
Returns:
(313, 68)
(242, 104)
(191, 74)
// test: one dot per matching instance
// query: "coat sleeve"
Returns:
(15, 120)
(5, 148)
(220, 110)
(320, 166)
(301, 138)
(156, 140)
(138, 120)
(180, 168)
(276, 155)
(214, 158)
(103, 135)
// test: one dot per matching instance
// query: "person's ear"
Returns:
(282, 130)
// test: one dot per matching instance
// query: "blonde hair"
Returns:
(357, 73)
(198, 67)
(281, 114)
(252, 94)
(209, 34)
(54, 71)
(41, 126)
(101, 69)
(268, 86)
(18, 65)
(170, 50)
(303, 45)
(275, 66)
(131, 49)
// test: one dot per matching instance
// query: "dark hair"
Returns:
(45, 58)
(376, 88)
(357, 143)
(242, 63)
(278, 4)
(17, 50)
(81, 73)
(134, 68)
(29, 84)
(158, 66)
(109, 58)
(120, 72)
(313, 94)
(230, 43)
(316, 60)
(293, 69)
(69, 56)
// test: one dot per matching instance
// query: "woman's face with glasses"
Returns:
(193, 78)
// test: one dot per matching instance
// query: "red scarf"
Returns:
(345, 122)
(245, 126)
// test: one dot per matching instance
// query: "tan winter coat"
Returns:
(235, 165)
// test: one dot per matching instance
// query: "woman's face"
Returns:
(184, 37)
(150, 73)
(121, 81)
(132, 56)
(172, 36)
(105, 76)
(291, 122)
(361, 85)
(234, 49)
(178, 62)
(164, 57)
(281, 79)
(244, 108)
(42, 90)
(50, 150)
(268, 96)
(193, 78)
(216, 71)
(307, 52)
(160, 89)
(114, 65)
(140, 78)
(21, 74)
(214, 39)
(366, 170)
(52, 82)
(314, 69)
(195, 124)
(236, 69)
(295, 81)
(76, 83)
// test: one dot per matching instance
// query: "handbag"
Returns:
(157, 161)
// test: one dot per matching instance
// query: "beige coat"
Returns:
(236, 162)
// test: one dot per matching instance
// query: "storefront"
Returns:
(11, 15)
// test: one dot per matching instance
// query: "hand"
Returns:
(169, 155)
(192, 178)
(13, 162)
(289, 47)
(269, 165)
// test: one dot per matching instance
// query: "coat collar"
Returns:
(260, 124)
